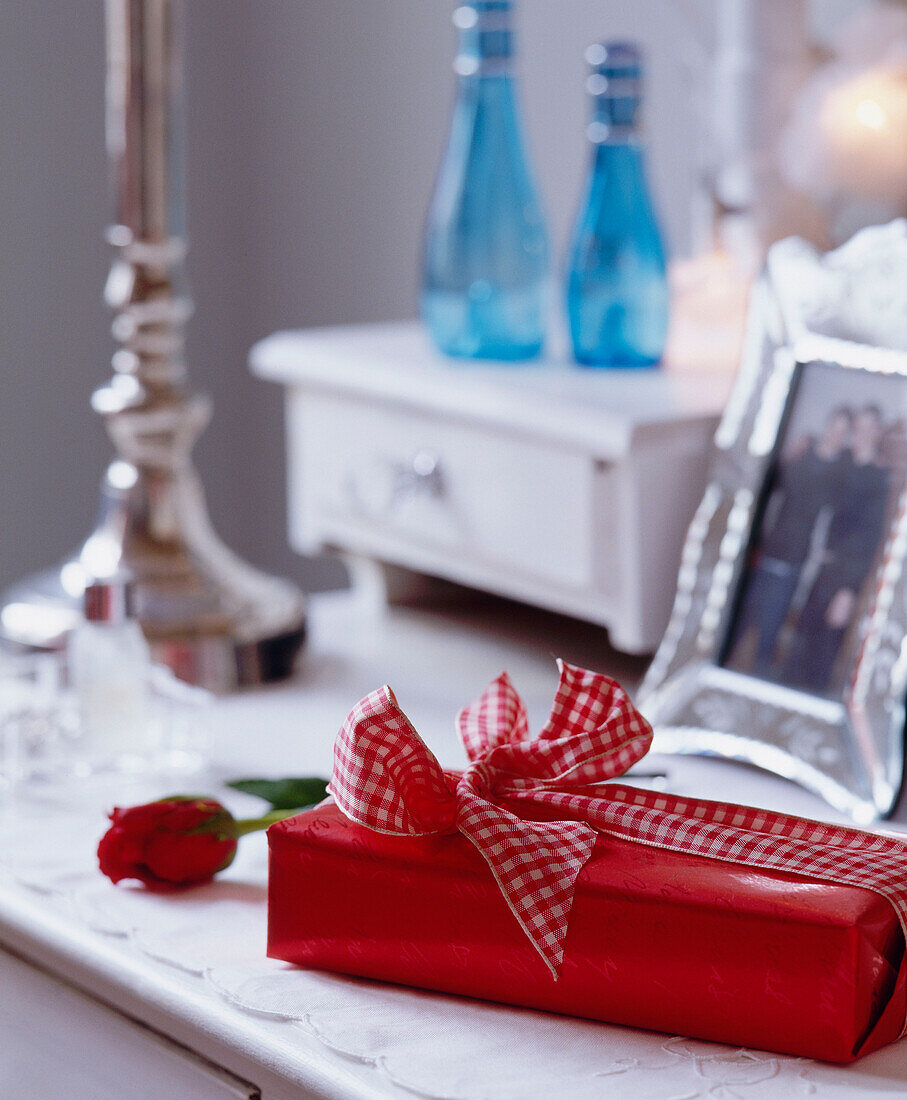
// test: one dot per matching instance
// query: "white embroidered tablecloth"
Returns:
(205, 948)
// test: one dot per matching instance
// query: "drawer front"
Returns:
(476, 497)
(57, 1042)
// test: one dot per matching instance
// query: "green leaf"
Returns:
(284, 794)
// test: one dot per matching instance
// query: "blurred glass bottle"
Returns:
(485, 278)
(109, 664)
(617, 290)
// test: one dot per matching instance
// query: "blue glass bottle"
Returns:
(485, 275)
(617, 290)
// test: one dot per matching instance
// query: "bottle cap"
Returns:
(615, 85)
(614, 58)
(616, 69)
(486, 37)
(488, 13)
(109, 600)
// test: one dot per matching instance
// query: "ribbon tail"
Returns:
(535, 864)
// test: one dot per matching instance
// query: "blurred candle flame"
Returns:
(864, 125)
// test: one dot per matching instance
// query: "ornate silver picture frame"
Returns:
(825, 338)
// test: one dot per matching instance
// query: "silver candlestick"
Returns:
(212, 618)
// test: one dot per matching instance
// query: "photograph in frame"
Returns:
(828, 502)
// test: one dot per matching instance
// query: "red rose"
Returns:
(182, 841)
(167, 844)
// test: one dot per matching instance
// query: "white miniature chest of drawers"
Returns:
(568, 489)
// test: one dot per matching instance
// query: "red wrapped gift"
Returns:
(710, 920)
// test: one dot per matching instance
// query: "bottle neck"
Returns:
(618, 166)
(615, 94)
(617, 163)
(486, 44)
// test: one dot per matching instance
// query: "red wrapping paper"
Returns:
(656, 939)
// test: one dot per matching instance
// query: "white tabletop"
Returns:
(193, 966)
(600, 411)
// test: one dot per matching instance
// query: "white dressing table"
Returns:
(112, 992)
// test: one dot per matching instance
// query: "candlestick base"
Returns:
(213, 619)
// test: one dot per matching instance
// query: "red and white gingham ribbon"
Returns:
(387, 780)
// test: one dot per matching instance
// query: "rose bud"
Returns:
(180, 841)
(167, 844)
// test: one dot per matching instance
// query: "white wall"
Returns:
(314, 130)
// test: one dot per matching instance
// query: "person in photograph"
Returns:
(808, 478)
(854, 536)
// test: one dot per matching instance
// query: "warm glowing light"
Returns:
(864, 126)
(871, 114)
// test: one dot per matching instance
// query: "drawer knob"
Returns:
(420, 476)
(388, 485)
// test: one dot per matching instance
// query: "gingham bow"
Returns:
(387, 780)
